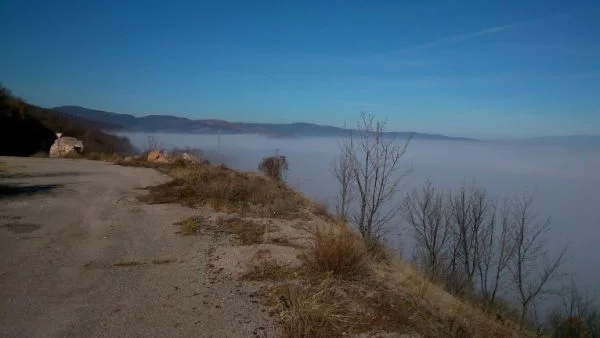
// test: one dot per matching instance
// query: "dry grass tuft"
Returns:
(189, 226)
(247, 232)
(312, 310)
(228, 191)
(338, 250)
(329, 307)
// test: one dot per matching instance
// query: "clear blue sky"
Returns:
(479, 69)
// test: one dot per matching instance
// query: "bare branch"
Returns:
(424, 212)
(533, 271)
(370, 169)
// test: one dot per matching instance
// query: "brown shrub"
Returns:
(274, 167)
(337, 250)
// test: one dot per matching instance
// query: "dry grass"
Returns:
(338, 250)
(312, 310)
(434, 311)
(189, 226)
(342, 289)
(228, 191)
(324, 306)
(3, 167)
(246, 231)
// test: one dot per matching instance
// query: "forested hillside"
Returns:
(26, 129)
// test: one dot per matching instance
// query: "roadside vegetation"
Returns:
(480, 264)
(227, 190)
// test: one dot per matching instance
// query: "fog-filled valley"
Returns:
(564, 179)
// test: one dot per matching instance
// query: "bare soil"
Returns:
(80, 256)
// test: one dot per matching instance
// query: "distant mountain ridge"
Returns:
(173, 124)
(570, 140)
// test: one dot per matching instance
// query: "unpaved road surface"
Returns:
(81, 257)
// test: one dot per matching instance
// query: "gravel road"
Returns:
(80, 257)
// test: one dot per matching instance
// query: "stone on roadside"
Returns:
(65, 146)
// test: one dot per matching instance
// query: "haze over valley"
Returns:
(565, 179)
(300, 169)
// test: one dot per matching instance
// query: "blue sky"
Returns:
(480, 69)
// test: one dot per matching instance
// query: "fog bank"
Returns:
(566, 179)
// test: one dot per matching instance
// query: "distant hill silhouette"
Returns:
(173, 124)
(26, 129)
(571, 140)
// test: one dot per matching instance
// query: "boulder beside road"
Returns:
(65, 147)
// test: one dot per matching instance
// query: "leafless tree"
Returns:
(497, 249)
(426, 215)
(533, 271)
(376, 171)
(470, 211)
(341, 169)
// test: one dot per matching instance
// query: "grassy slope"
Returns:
(317, 275)
(26, 129)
